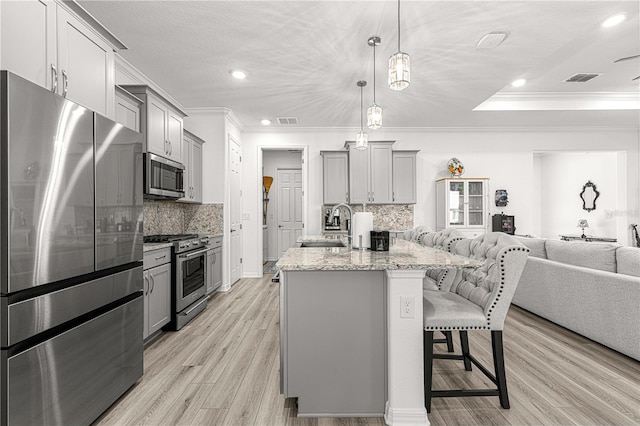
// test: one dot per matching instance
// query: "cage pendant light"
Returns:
(362, 139)
(399, 65)
(374, 112)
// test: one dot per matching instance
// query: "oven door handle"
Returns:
(196, 306)
(195, 253)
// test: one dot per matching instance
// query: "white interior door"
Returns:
(289, 184)
(235, 247)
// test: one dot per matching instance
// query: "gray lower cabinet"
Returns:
(157, 290)
(214, 265)
(333, 342)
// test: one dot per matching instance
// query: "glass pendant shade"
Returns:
(362, 140)
(374, 116)
(399, 71)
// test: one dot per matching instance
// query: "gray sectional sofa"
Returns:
(590, 288)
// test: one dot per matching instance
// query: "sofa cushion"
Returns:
(600, 256)
(536, 245)
(628, 261)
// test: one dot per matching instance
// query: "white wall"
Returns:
(506, 157)
(562, 178)
(271, 161)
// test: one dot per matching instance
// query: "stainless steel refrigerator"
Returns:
(71, 302)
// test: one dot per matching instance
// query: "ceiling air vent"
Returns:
(491, 40)
(288, 121)
(581, 77)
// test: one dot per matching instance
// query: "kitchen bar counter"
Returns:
(351, 328)
(401, 255)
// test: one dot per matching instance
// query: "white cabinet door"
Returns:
(187, 143)
(156, 126)
(86, 65)
(380, 178)
(159, 297)
(28, 40)
(359, 192)
(196, 171)
(404, 177)
(127, 111)
(335, 177)
(174, 135)
(462, 204)
(217, 267)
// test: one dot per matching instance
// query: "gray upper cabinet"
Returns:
(192, 156)
(335, 167)
(61, 47)
(370, 173)
(161, 122)
(128, 109)
(404, 177)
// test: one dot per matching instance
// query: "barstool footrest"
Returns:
(464, 392)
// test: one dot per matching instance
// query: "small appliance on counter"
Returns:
(362, 225)
(331, 223)
(380, 240)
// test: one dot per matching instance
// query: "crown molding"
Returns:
(226, 112)
(402, 130)
(125, 67)
(558, 101)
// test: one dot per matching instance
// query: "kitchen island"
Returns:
(351, 328)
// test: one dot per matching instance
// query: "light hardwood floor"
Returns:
(223, 369)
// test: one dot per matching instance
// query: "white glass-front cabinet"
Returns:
(463, 204)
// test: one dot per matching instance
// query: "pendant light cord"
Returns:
(374, 72)
(399, 26)
(361, 125)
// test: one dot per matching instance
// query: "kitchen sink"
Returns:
(335, 243)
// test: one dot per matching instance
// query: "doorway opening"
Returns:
(283, 206)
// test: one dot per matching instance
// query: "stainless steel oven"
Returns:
(190, 272)
(163, 178)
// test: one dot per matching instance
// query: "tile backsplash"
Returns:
(166, 217)
(385, 216)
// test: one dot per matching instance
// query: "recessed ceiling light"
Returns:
(519, 82)
(614, 20)
(265, 122)
(238, 74)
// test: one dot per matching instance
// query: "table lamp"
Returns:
(582, 223)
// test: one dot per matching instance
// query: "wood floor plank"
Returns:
(223, 369)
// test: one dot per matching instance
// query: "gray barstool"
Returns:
(440, 278)
(477, 300)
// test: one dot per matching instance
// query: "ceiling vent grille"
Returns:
(491, 40)
(581, 77)
(288, 121)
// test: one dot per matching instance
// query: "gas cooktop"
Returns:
(168, 238)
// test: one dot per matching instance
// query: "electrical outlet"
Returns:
(407, 307)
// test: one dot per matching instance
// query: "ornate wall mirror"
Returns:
(589, 196)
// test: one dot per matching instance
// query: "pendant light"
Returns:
(362, 139)
(374, 113)
(399, 65)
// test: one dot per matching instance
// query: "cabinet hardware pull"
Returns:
(54, 78)
(146, 288)
(161, 257)
(153, 283)
(393, 196)
(65, 83)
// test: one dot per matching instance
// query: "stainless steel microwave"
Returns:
(163, 178)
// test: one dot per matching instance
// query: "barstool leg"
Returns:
(428, 368)
(464, 343)
(498, 363)
(449, 337)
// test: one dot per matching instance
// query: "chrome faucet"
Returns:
(333, 211)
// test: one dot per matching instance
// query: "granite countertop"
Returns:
(401, 255)
(155, 246)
